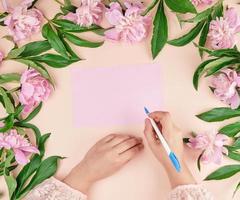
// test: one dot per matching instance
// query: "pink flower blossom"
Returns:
(201, 2)
(1, 56)
(20, 146)
(34, 89)
(89, 12)
(212, 145)
(23, 22)
(223, 30)
(225, 85)
(128, 27)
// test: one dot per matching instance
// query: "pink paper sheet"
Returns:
(115, 96)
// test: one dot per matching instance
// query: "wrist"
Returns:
(78, 179)
(184, 177)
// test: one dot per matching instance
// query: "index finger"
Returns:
(159, 116)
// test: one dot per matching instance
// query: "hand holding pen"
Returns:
(173, 137)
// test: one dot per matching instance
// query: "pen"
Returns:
(170, 153)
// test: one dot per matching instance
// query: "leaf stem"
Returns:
(150, 7)
(59, 2)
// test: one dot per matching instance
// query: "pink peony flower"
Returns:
(225, 86)
(20, 146)
(23, 22)
(212, 145)
(1, 56)
(34, 89)
(128, 27)
(90, 12)
(201, 2)
(223, 30)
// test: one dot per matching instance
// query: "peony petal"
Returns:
(112, 34)
(114, 17)
(20, 157)
(27, 90)
(30, 149)
(235, 101)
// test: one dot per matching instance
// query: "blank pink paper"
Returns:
(115, 96)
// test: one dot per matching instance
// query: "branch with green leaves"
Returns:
(39, 168)
(202, 20)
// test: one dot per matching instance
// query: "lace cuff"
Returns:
(190, 192)
(53, 189)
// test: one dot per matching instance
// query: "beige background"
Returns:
(143, 178)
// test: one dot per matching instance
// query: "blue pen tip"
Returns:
(146, 110)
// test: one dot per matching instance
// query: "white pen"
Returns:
(170, 153)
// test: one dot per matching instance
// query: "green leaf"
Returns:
(46, 169)
(199, 71)
(11, 184)
(10, 77)
(160, 31)
(7, 102)
(219, 114)
(69, 26)
(225, 53)
(32, 166)
(223, 172)
(18, 110)
(33, 113)
(203, 37)
(190, 36)
(68, 8)
(36, 65)
(31, 126)
(150, 7)
(55, 42)
(26, 172)
(218, 10)
(67, 2)
(81, 42)
(14, 53)
(231, 130)
(54, 60)
(233, 155)
(181, 6)
(215, 66)
(8, 123)
(41, 146)
(236, 189)
(237, 143)
(35, 48)
(200, 16)
(10, 180)
(74, 56)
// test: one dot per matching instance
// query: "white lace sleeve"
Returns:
(53, 189)
(190, 192)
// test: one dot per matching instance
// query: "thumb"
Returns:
(150, 134)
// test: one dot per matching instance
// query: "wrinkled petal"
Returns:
(23, 22)
(130, 26)
(112, 34)
(30, 149)
(223, 30)
(114, 17)
(235, 101)
(34, 89)
(20, 157)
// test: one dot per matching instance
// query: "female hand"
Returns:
(173, 136)
(105, 158)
